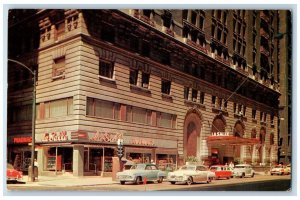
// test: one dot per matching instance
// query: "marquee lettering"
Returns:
(220, 133)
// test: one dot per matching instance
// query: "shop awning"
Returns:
(232, 140)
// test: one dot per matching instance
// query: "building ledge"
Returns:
(107, 80)
(140, 89)
(193, 103)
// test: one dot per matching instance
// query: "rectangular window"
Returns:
(202, 95)
(253, 114)
(244, 110)
(194, 18)
(165, 120)
(58, 67)
(194, 95)
(272, 119)
(58, 108)
(117, 111)
(90, 107)
(225, 105)
(104, 109)
(213, 100)
(106, 69)
(133, 77)
(139, 115)
(234, 108)
(219, 103)
(134, 43)
(261, 116)
(165, 87)
(60, 30)
(219, 34)
(265, 117)
(145, 80)
(201, 22)
(129, 113)
(186, 93)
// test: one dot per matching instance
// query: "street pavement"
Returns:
(68, 181)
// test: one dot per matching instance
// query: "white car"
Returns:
(243, 170)
(280, 170)
(190, 174)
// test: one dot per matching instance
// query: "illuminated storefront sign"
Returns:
(55, 136)
(113, 138)
(142, 141)
(18, 140)
(106, 137)
(220, 134)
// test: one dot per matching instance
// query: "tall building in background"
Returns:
(285, 79)
(174, 84)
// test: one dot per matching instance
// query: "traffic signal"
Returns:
(120, 151)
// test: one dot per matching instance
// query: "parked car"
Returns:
(289, 168)
(221, 171)
(280, 170)
(243, 170)
(190, 174)
(138, 172)
(12, 174)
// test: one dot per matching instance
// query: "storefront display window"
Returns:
(166, 162)
(139, 157)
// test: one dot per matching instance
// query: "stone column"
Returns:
(40, 156)
(78, 160)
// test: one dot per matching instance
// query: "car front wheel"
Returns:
(122, 182)
(138, 180)
(189, 181)
(160, 180)
(173, 182)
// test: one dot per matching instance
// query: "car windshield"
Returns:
(278, 166)
(240, 167)
(139, 167)
(213, 168)
(188, 168)
(9, 166)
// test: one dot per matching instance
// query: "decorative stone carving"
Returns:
(72, 17)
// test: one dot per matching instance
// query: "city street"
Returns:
(258, 183)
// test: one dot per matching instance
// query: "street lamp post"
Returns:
(33, 115)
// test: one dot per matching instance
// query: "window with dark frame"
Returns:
(202, 95)
(145, 80)
(186, 93)
(146, 48)
(194, 18)
(253, 114)
(213, 100)
(58, 67)
(166, 87)
(106, 69)
(194, 95)
(133, 77)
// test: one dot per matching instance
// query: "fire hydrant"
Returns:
(145, 180)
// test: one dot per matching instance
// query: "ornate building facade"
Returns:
(172, 83)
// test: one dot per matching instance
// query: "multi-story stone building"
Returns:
(285, 79)
(171, 83)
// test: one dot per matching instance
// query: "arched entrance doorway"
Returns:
(192, 130)
(262, 137)
(238, 131)
(218, 150)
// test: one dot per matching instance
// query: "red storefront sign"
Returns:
(18, 140)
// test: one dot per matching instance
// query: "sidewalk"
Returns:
(61, 181)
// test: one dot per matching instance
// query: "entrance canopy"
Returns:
(232, 140)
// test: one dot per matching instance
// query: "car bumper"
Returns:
(126, 179)
(276, 172)
(177, 179)
(14, 179)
